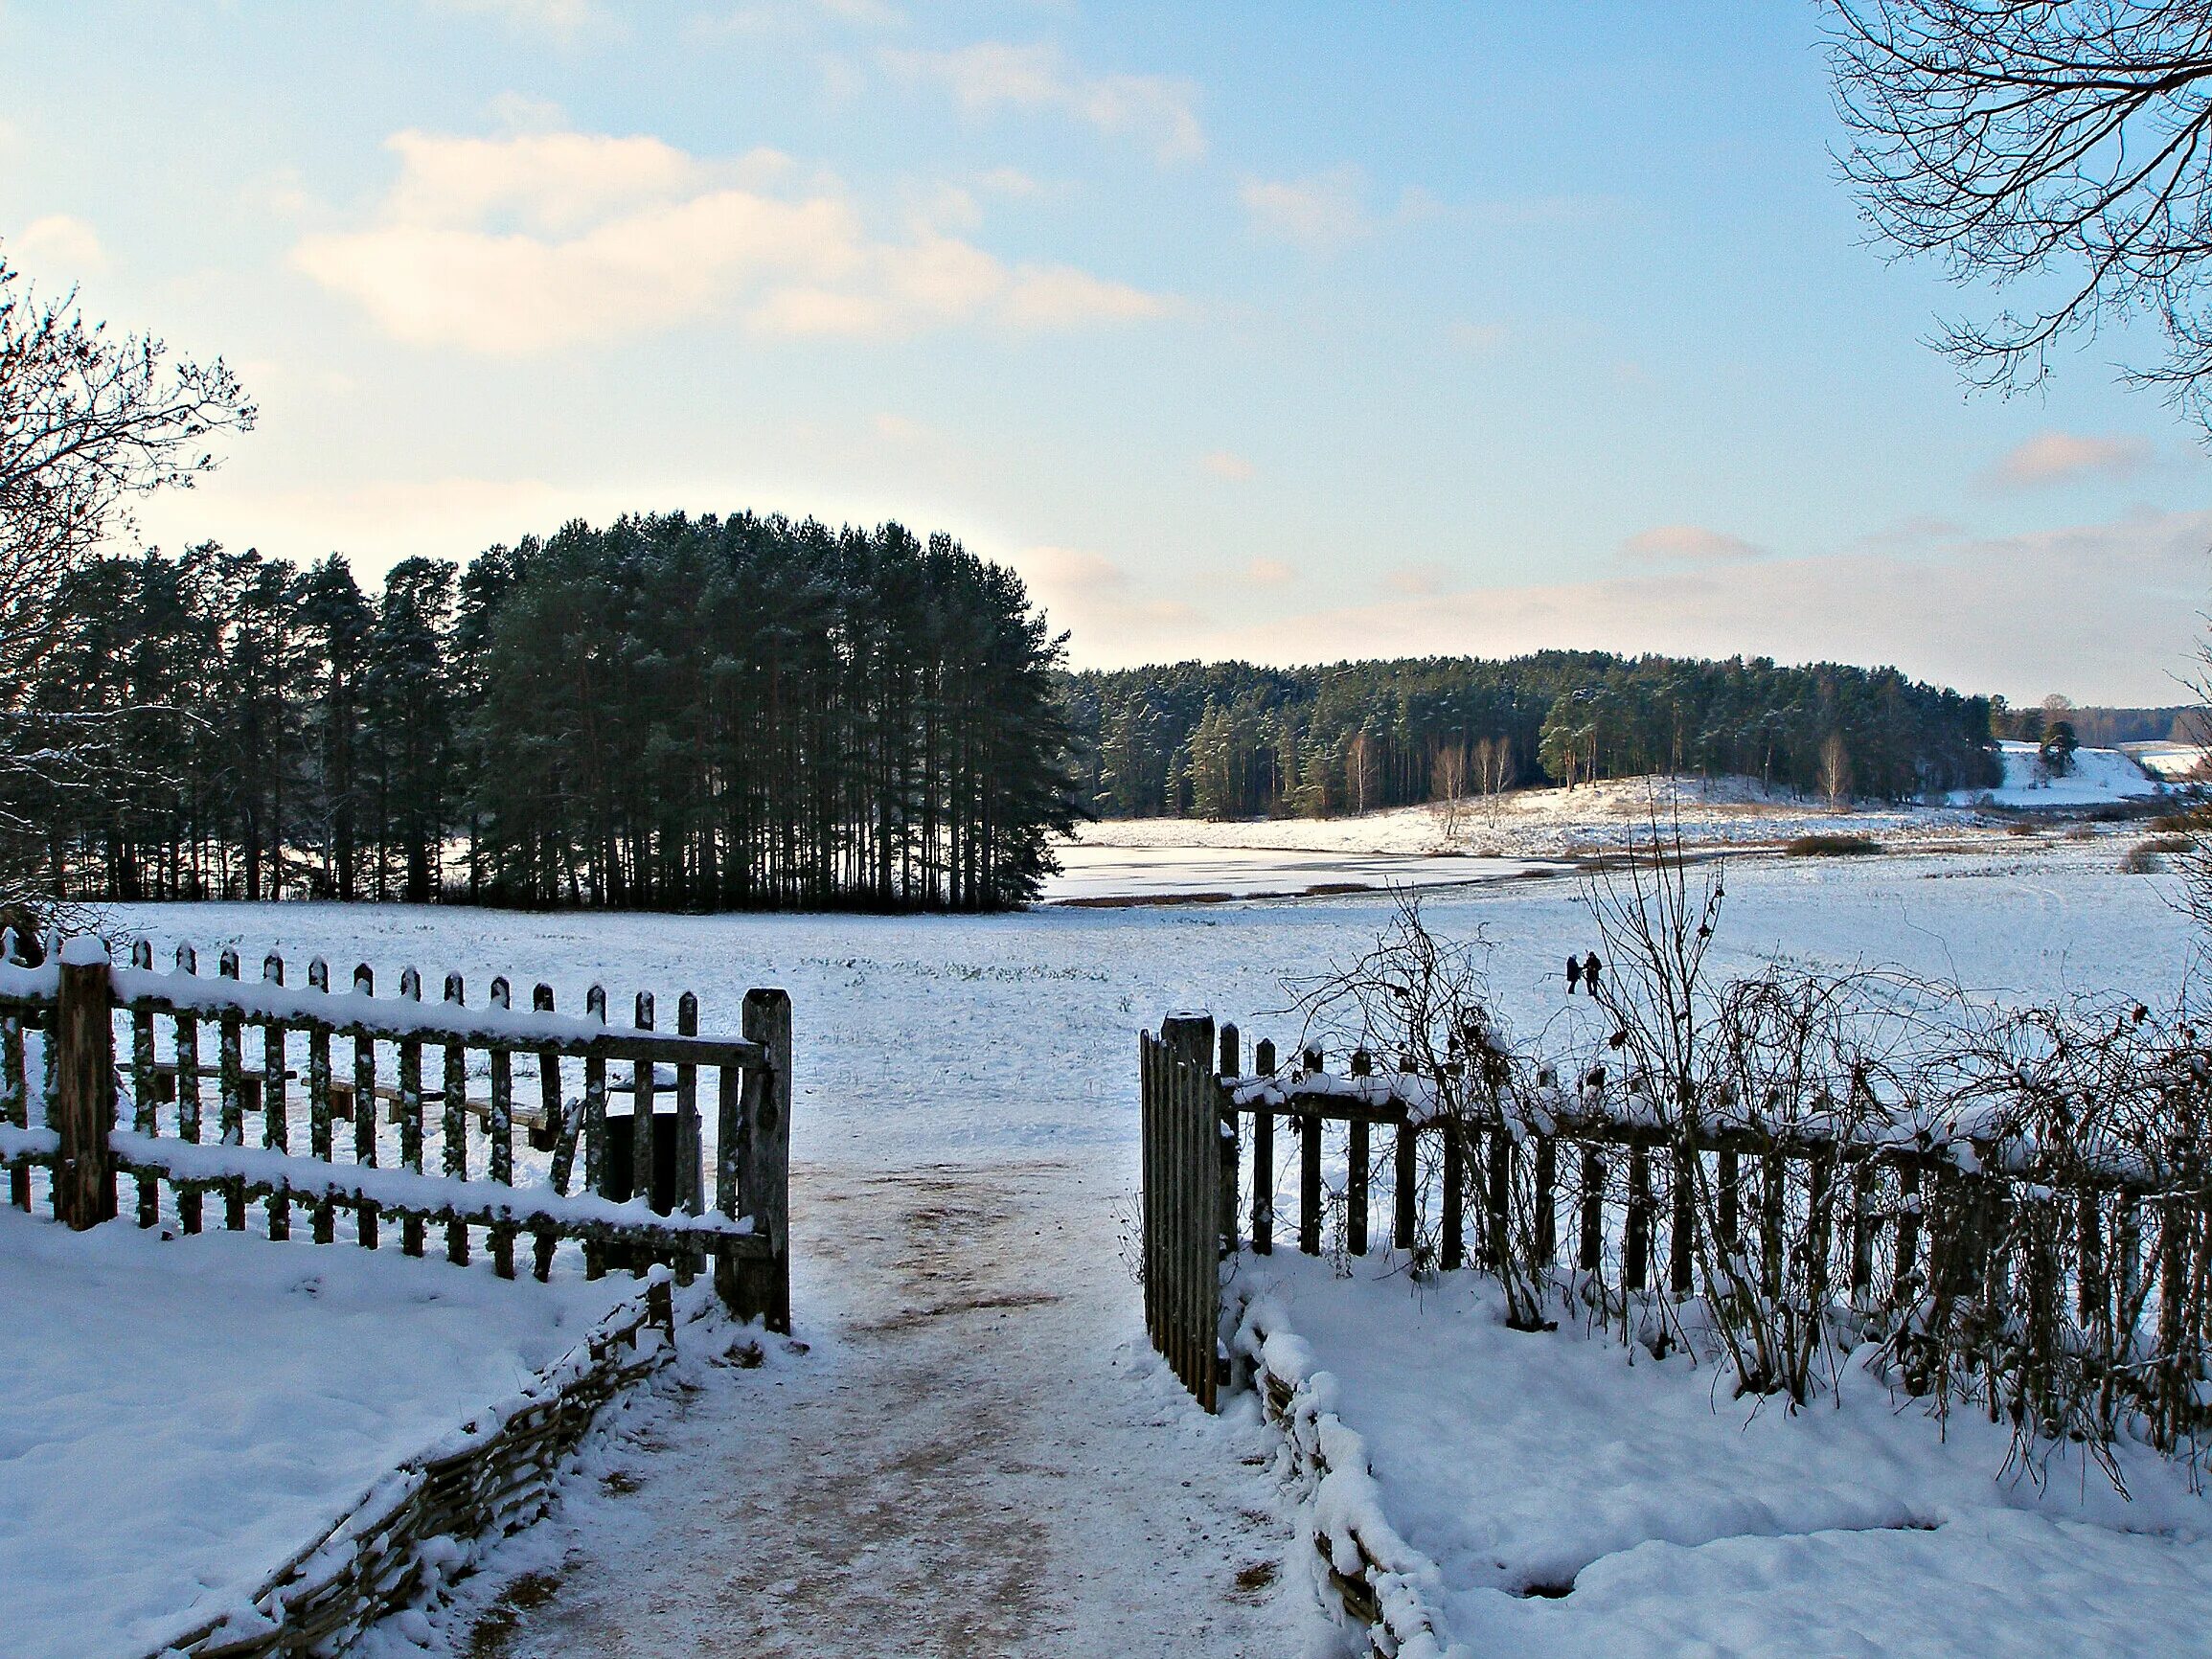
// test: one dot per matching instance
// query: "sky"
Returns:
(1289, 333)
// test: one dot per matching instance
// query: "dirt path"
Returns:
(972, 1458)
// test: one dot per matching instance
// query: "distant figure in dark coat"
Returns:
(1574, 973)
(1590, 970)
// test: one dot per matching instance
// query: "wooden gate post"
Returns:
(83, 1109)
(752, 1286)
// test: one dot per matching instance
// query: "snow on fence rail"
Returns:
(643, 1194)
(2071, 1292)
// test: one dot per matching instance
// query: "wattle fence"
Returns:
(391, 1148)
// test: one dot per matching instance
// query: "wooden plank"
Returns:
(762, 1285)
(276, 1117)
(1264, 1159)
(1310, 1172)
(453, 1125)
(319, 1093)
(1356, 1169)
(1497, 1198)
(553, 1133)
(80, 1111)
(15, 1096)
(1547, 1200)
(1405, 1187)
(365, 1111)
(1452, 1228)
(641, 1095)
(499, 1131)
(411, 1109)
(230, 1085)
(1730, 1180)
(144, 1116)
(691, 1176)
(1225, 1151)
(618, 1044)
(1591, 1245)
(1637, 1241)
(1682, 1230)
(188, 1113)
(595, 1170)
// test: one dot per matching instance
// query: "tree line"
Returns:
(1232, 740)
(668, 711)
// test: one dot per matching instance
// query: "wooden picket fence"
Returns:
(361, 1058)
(2057, 1284)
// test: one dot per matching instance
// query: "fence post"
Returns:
(83, 1109)
(754, 1286)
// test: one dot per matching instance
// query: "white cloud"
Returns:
(2052, 458)
(1688, 544)
(1418, 581)
(1322, 212)
(1153, 110)
(1227, 464)
(804, 16)
(563, 19)
(1269, 572)
(537, 241)
(66, 247)
(1094, 597)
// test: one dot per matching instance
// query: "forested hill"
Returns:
(669, 712)
(1230, 739)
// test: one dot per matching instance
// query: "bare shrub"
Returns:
(2011, 1206)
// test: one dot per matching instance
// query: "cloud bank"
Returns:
(538, 240)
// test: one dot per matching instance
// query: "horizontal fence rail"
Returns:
(1917, 1233)
(408, 1110)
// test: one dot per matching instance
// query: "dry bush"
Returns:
(1831, 846)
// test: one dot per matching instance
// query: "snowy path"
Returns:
(953, 1468)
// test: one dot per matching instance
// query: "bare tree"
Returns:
(89, 420)
(1448, 777)
(2022, 139)
(1835, 772)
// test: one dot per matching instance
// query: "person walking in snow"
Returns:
(1590, 972)
(1574, 973)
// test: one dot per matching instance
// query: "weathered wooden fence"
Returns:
(1183, 1173)
(2086, 1280)
(361, 1059)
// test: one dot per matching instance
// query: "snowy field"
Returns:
(182, 1416)
(1529, 1466)
(1494, 837)
(964, 1146)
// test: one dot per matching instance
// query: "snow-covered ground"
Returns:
(964, 1146)
(1489, 837)
(182, 1416)
(1529, 1466)
(2096, 777)
(2173, 762)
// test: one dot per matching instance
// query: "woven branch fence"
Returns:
(495, 1476)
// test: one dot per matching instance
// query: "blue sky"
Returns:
(1289, 333)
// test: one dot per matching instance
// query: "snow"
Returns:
(2097, 777)
(964, 1162)
(1687, 1521)
(1530, 832)
(2172, 763)
(185, 1414)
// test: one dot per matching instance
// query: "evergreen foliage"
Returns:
(1232, 740)
(669, 712)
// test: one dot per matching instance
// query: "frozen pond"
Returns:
(1097, 875)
